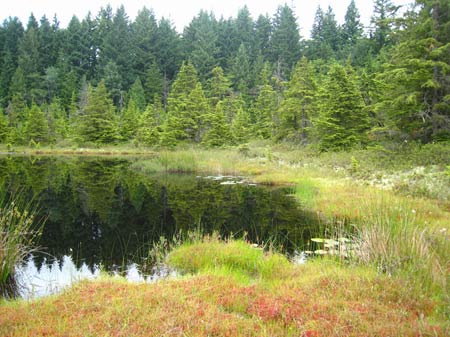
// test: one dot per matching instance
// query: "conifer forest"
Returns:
(107, 79)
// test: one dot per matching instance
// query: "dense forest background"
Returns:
(108, 80)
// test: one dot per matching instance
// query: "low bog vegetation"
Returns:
(321, 298)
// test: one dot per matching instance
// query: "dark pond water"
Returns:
(102, 215)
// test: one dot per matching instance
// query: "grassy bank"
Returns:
(235, 290)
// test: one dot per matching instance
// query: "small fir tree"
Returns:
(342, 122)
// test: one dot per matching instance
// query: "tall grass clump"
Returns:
(234, 257)
(391, 237)
(19, 231)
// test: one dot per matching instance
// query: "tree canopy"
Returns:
(107, 78)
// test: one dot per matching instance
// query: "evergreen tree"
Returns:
(17, 86)
(144, 37)
(137, 94)
(111, 77)
(57, 121)
(74, 53)
(154, 82)
(116, 47)
(382, 22)
(241, 71)
(241, 128)
(264, 109)
(29, 61)
(226, 43)
(263, 32)
(352, 29)
(218, 132)
(186, 105)
(167, 49)
(298, 106)
(130, 120)
(12, 33)
(218, 86)
(285, 41)
(48, 43)
(98, 121)
(36, 127)
(244, 28)
(318, 46)
(342, 122)
(17, 111)
(147, 133)
(4, 127)
(200, 39)
(331, 33)
(416, 78)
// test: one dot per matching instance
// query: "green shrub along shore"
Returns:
(391, 205)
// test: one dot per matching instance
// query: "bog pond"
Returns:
(103, 216)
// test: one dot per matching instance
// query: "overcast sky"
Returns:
(179, 11)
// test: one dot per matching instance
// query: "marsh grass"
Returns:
(230, 257)
(18, 234)
(393, 238)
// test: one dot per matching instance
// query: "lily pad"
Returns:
(319, 240)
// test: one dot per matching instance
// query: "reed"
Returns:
(19, 231)
(391, 236)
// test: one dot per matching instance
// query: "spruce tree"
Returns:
(130, 120)
(298, 106)
(263, 32)
(186, 106)
(30, 62)
(265, 107)
(218, 133)
(153, 83)
(147, 132)
(199, 40)
(241, 71)
(36, 126)
(382, 23)
(144, 36)
(285, 40)
(98, 120)
(12, 33)
(137, 94)
(218, 86)
(57, 121)
(352, 29)
(4, 127)
(416, 77)
(342, 122)
(241, 128)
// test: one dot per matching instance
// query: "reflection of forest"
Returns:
(100, 212)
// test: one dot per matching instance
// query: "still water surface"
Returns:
(103, 216)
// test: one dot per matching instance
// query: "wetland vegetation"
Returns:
(223, 156)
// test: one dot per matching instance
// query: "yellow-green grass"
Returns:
(234, 257)
(321, 298)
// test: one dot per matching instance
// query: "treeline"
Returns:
(222, 81)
